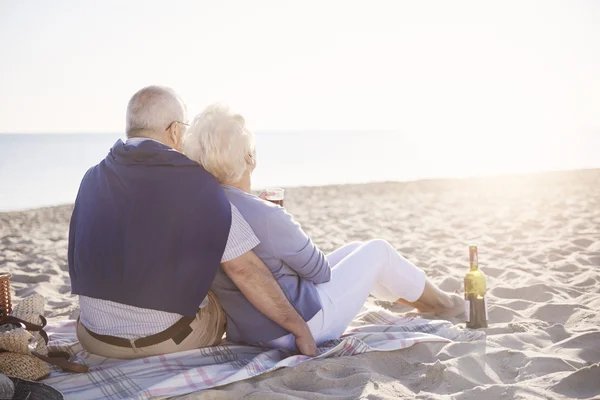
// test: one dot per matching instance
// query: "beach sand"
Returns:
(539, 245)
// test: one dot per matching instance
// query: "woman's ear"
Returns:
(251, 159)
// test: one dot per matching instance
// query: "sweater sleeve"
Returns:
(289, 243)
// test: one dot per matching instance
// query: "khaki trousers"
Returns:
(207, 330)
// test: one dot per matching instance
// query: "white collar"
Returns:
(137, 140)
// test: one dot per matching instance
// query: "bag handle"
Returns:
(61, 359)
(58, 358)
(9, 319)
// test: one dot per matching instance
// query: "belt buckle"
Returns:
(182, 334)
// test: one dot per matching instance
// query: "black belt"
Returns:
(178, 332)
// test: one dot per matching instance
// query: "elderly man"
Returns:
(148, 232)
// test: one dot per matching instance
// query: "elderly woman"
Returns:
(326, 290)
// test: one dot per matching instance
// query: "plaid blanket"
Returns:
(185, 372)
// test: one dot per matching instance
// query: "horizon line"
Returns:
(590, 130)
(270, 130)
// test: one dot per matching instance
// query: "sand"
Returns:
(539, 245)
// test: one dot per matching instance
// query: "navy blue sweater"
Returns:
(148, 229)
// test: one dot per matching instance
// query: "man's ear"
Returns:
(174, 133)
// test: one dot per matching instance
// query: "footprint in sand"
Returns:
(536, 293)
(582, 243)
(583, 346)
(583, 383)
(500, 314)
(30, 278)
(557, 312)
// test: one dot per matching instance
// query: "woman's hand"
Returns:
(256, 282)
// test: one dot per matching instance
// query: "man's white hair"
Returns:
(219, 141)
(152, 109)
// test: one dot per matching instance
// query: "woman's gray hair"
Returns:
(152, 109)
(220, 142)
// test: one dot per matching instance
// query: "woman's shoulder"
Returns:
(249, 205)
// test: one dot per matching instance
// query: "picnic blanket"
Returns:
(185, 372)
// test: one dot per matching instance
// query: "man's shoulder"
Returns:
(191, 188)
(91, 176)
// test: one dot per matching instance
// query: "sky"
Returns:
(441, 68)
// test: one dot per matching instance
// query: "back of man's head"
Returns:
(151, 110)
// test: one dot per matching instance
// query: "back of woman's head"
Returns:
(219, 141)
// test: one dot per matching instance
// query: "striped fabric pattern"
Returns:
(182, 373)
(109, 318)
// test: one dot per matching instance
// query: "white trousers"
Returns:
(359, 269)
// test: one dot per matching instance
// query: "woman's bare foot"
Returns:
(440, 303)
(421, 307)
(453, 307)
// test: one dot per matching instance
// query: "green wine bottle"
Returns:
(475, 289)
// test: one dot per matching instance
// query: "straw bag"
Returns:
(23, 343)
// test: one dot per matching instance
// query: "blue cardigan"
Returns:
(148, 229)
(294, 260)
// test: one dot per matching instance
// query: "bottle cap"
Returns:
(473, 256)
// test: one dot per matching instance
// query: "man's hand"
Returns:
(257, 284)
(306, 345)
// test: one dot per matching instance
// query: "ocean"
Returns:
(46, 169)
